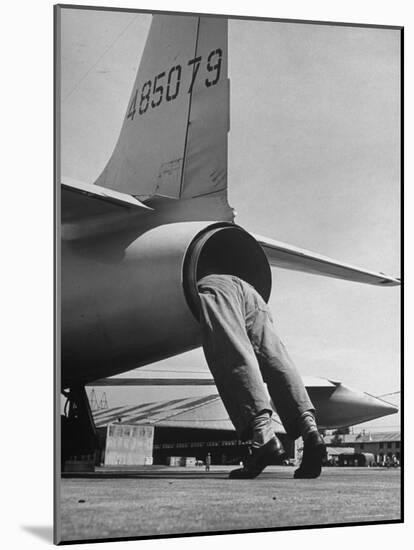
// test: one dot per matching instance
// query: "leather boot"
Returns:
(270, 453)
(314, 452)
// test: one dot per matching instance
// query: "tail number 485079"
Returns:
(166, 86)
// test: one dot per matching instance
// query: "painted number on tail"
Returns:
(166, 86)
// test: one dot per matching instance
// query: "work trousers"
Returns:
(243, 351)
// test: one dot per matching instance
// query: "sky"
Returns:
(313, 161)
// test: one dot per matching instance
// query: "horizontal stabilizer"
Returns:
(291, 257)
(88, 210)
(97, 192)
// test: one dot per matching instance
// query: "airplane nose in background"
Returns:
(346, 407)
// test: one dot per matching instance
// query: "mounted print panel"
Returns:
(228, 274)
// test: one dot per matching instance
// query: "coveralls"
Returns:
(243, 351)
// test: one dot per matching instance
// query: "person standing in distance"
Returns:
(208, 462)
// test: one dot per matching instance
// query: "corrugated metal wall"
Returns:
(129, 445)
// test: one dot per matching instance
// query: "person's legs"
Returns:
(262, 429)
(229, 353)
(234, 367)
(284, 383)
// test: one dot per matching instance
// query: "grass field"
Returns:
(169, 501)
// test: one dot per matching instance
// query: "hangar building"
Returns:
(189, 427)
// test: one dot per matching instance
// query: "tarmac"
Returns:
(159, 501)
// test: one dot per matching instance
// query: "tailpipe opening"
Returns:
(225, 249)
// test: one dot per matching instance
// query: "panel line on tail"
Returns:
(189, 112)
(215, 192)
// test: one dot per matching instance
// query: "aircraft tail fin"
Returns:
(173, 141)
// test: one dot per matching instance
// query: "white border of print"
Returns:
(27, 276)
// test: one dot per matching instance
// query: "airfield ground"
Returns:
(157, 501)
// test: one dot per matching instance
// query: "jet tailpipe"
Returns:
(129, 302)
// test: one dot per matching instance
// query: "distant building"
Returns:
(333, 453)
(383, 445)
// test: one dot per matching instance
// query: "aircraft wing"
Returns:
(309, 381)
(291, 257)
(336, 404)
(152, 382)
